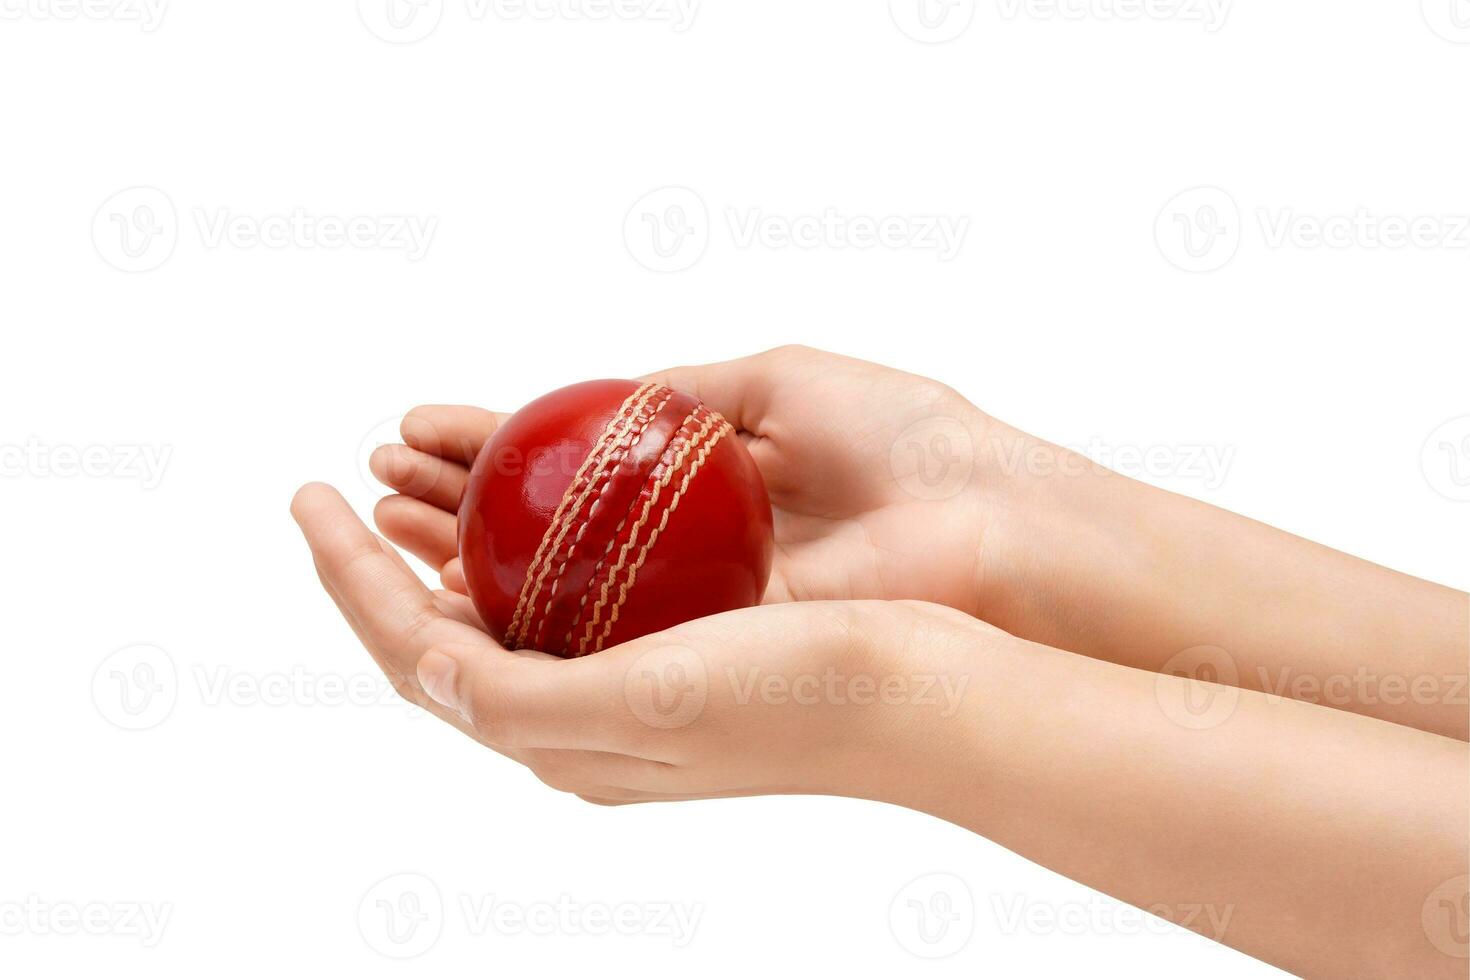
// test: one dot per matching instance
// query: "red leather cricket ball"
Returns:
(608, 510)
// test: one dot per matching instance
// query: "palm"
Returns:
(841, 445)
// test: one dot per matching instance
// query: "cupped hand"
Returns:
(873, 476)
(818, 697)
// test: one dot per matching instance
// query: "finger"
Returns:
(405, 684)
(393, 611)
(502, 698)
(418, 474)
(614, 796)
(536, 700)
(452, 576)
(422, 529)
(458, 606)
(452, 432)
(604, 801)
(741, 390)
(585, 771)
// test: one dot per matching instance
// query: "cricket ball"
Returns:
(608, 510)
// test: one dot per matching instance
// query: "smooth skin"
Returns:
(1313, 838)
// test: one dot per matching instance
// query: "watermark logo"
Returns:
(1197, 688)
(402, 916)
(1446, 917)
(386, 433)
(299, 229)
(667, 230)
(1102, 916)
(1198, 230)
(147, 14)
(136, 687)
(1211, 14)
(678, 14)
(1363, 229)
(1364, 688)
(400, 21)
(942, 234)
(1450, 19)
(932, 21)
(136, 230)
(933, 916)
(35, 916)
(409, 21)
(1206, 464)
(1201, 230)
(123, 461)
(667, 687)
(676, 922)
(1445, 459)
(933, 458)
(833, 688)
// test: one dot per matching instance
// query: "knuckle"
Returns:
(602, 801)
(489, 714)
(792, 352)
(405, 687)
(560, 777)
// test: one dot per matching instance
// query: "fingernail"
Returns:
(439, 675)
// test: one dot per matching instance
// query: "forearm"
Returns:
(1307, 837)
(1084, 559)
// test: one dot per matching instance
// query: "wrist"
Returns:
(1056, 527)
(933, 668)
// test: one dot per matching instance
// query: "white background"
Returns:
(258, 812)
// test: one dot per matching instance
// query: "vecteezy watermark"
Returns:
(1201, 230)
(33, 458)
(933, 458)
(405, 476)
(408, 21)
(138, 230)
(1102, 916)
(147, 14)
(1198, 230)
(932, 21)
(675, 922)
(1362, 229)
(667, 687)
(136, 687)
(299, 229)
(1450, 19)
(404, 915)
(220, 685)
(1197, 688)
(1207, 464)
(836, 689)
(941, 234)
(1365, 687)
(401, 916)
(1445, 459)
(1210, 14)
(933, 916)
(1446, 917)
(669, 230)
(35, 916)
(400, 21)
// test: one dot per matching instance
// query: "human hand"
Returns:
(850, 453)
(832, 698)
